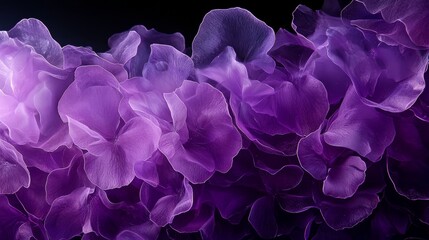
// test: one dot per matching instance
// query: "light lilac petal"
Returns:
(92, 99)
(167, 68)
(34, 33)
(139, 139)
(110, 170)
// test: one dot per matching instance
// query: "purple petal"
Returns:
(34, 33)
(13, 171)
(169, 206)
(75, 57)
(360, 128)
(68, 215)
(346, 213)
(92, 99)
(380, 73)
(63, 181)
(10, 219)
(210, 129)
(139, 139)
(407, 158)
(167, 68)
(33, 198)
(109, 219)
(110, 170)
(262, 217)
(229, 27)
(413, 14)
(343, 180)
(125, 46)
(136, 62)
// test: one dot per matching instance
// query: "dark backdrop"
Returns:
(90, 23)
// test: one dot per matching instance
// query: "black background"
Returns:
(90, 23)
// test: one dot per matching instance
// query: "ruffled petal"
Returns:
(34, 33)
(343, 180)
(68, 215)
(212, 139)
(360, 128)
(13, 171)
(229, 27)
(167, 68)
(93, 100)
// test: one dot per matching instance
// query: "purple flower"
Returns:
(203, 139)
(31, 83)
(113, 147)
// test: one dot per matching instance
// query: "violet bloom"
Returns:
(31, 83)
(204, 139)
(113, 147)
(384, 76)
(132, 48)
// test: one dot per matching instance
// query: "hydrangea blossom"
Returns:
(255, 134)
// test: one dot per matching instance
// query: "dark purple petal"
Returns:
(110, 219)
(33, 198)
(383, 76)
(346, 213)
(360, 128)
(68, 215)
(262, 217)
(230, 27)
(13, 171)
(407, 162)
(413, 14)
(34, 33)
(343, 180)
(63, 181)
(10, 219)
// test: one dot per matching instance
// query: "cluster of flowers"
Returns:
(320, 134)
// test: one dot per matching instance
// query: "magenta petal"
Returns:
(13, 171)
(343, 180)
(68, 215)
(34, 33)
